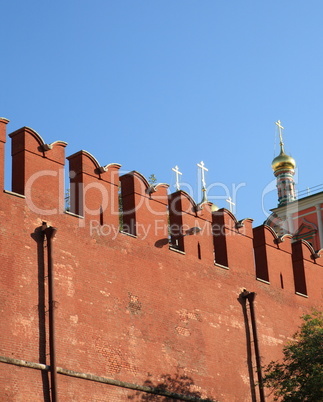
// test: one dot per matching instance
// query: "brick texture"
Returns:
(129, 307)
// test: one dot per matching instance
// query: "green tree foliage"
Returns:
(67, 199)
(152, 180)
(299, 377)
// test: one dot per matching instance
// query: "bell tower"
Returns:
(284, 170)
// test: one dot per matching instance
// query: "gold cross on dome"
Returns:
(280, 128)
(203, 170)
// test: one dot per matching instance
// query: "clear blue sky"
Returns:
(152, 84)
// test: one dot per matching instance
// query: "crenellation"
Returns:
(165, 299)
(94, 189)
(3, 131)
(191, 227)
(144, 212)
(273, 258)
(233, 242)
(148, 212)
(299, 267)
(176, 220)
(38, 171)
(3, 128)
(307, 271)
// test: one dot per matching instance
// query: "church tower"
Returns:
(284, 170)
(300, 217)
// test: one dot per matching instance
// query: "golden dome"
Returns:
(214, 208)
(283, 161)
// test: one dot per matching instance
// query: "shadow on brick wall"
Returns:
(177, 387)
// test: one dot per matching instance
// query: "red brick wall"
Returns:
(129, 308)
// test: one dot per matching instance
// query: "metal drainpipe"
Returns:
(251, 297)
(49, 232)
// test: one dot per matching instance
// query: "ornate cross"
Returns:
(231, 203)
(280, 128)
(178, 173)
(203, 170)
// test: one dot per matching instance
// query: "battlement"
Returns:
(104, 205)
(146, 286)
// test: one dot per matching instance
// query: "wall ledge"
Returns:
(301, 294)
(263, 281)
(72, 214)
(128, 234)
(14, 194)
(176, 250)
(221, 266)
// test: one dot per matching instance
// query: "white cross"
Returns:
(203, 169)
(231, 203)
(176, 170)
(280, 128)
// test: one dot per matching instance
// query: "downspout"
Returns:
(49, 232)
(251, 297)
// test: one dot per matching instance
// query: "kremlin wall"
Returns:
(163, 300)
